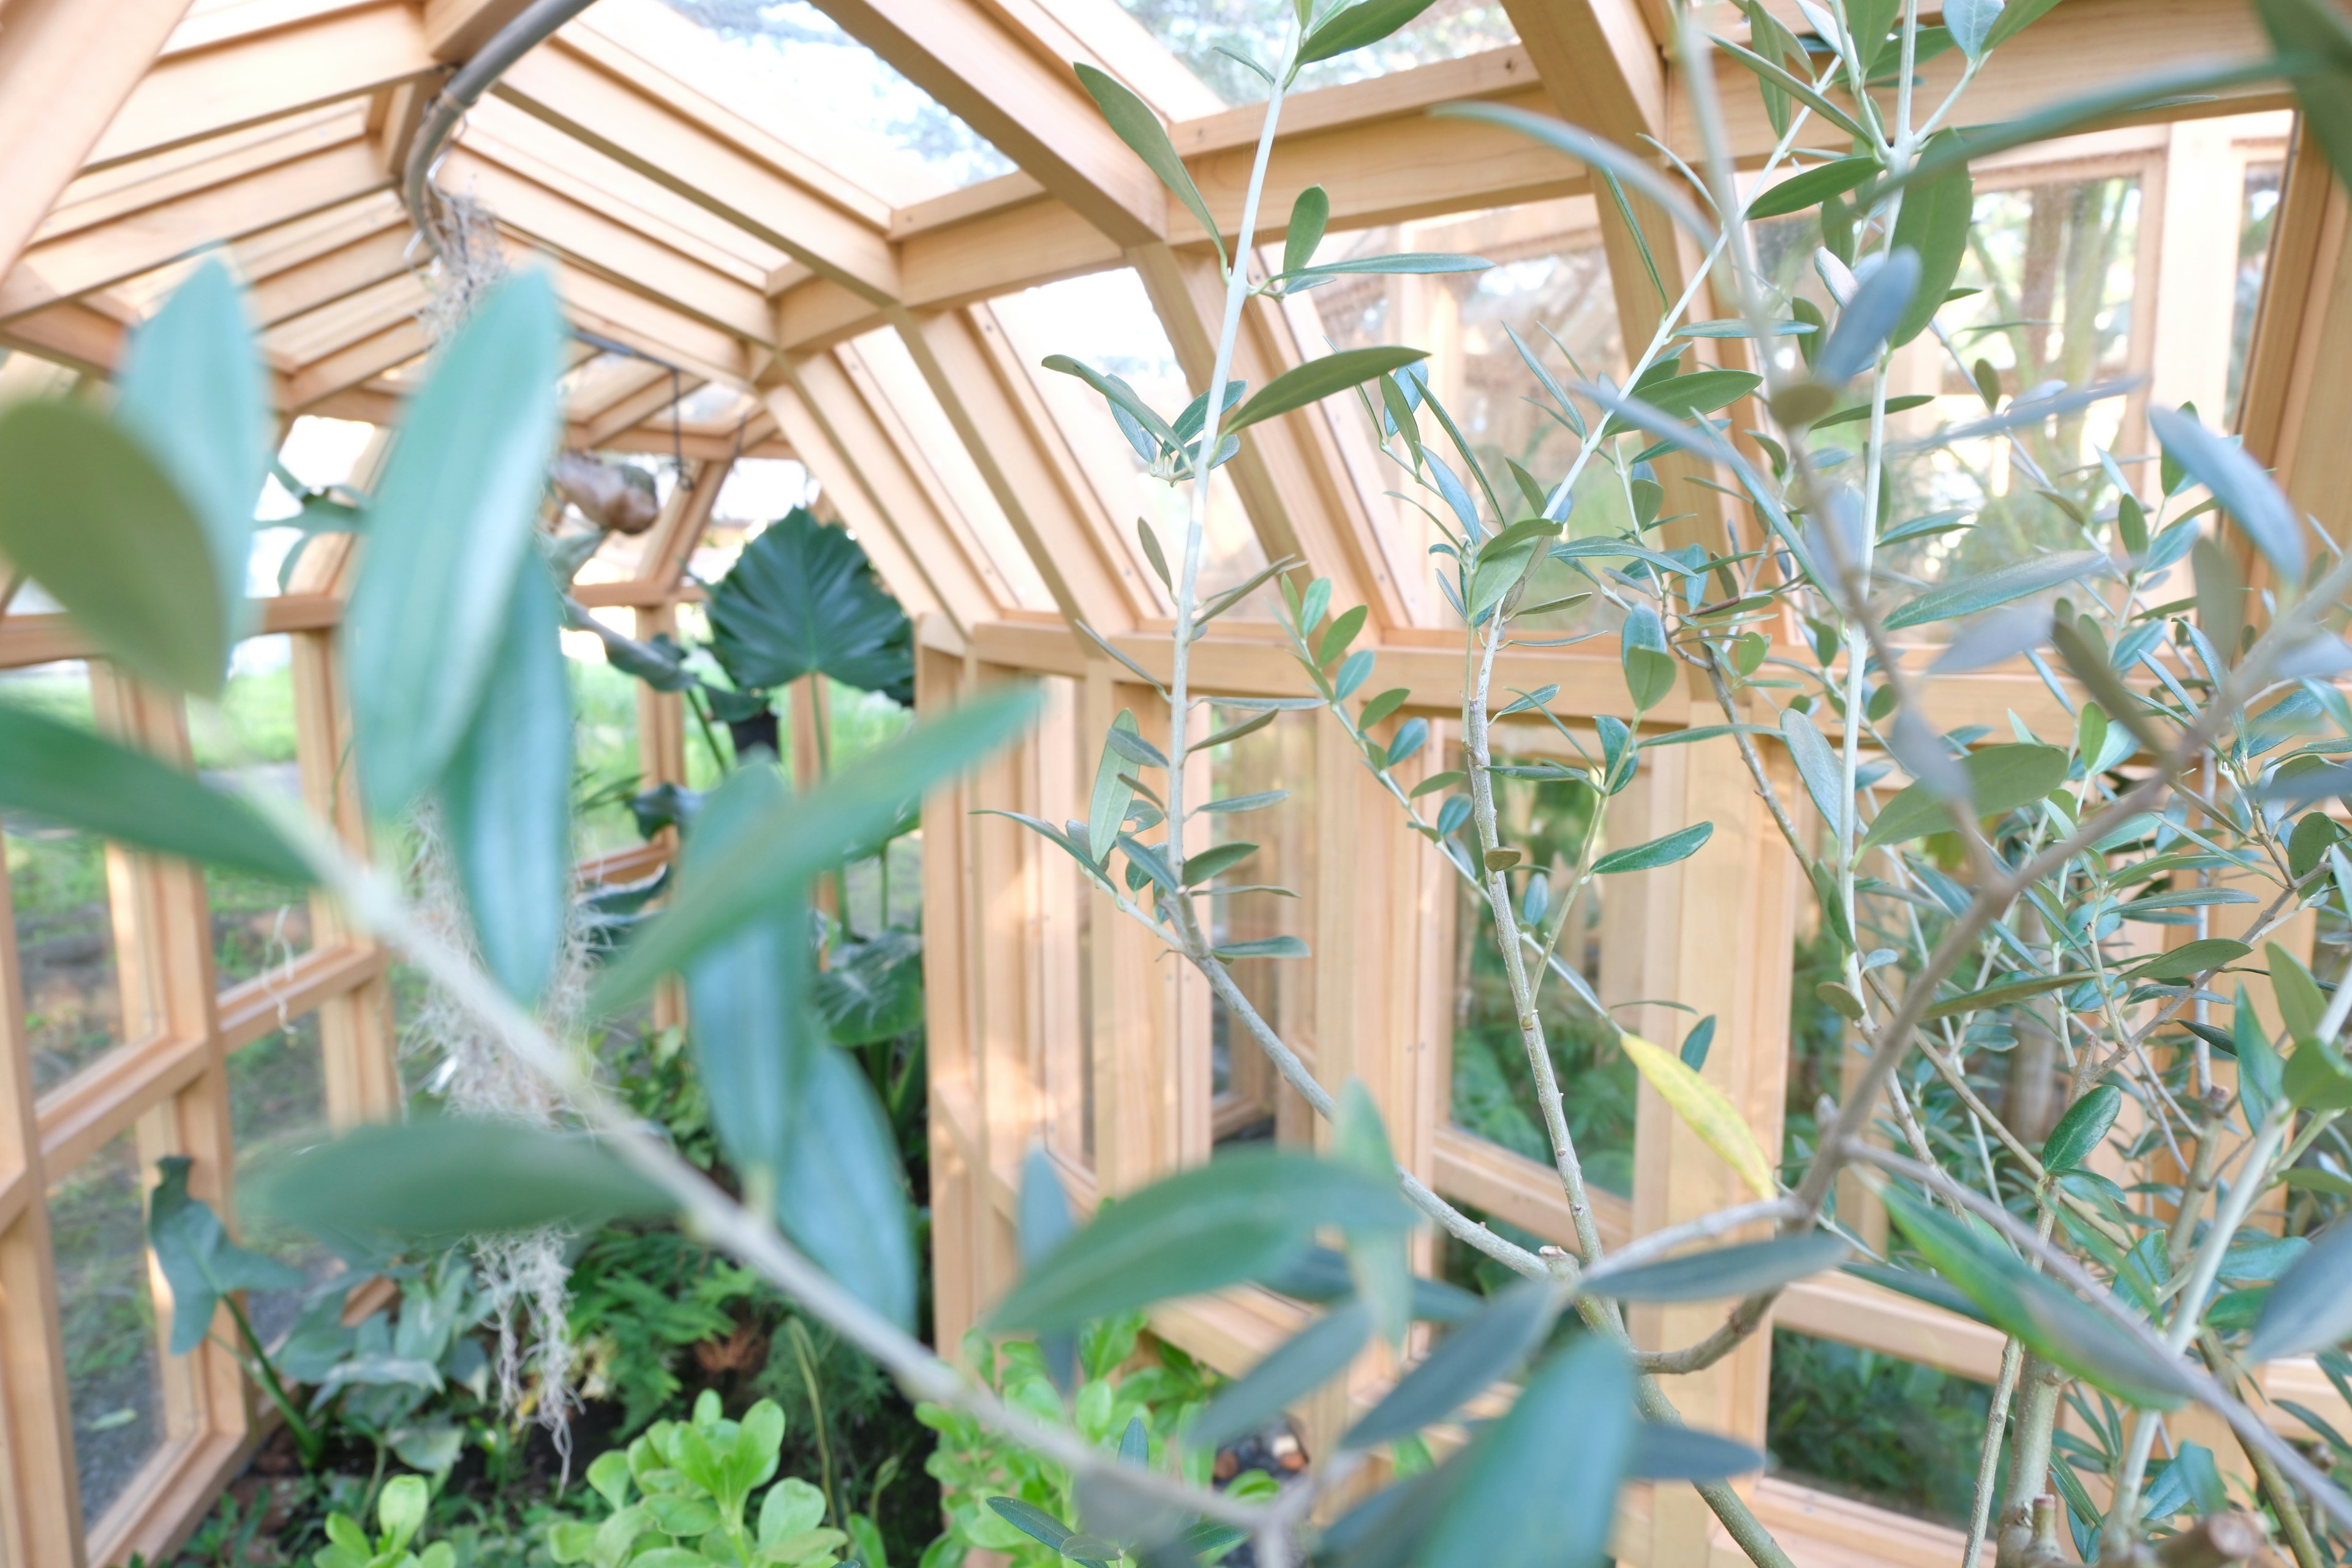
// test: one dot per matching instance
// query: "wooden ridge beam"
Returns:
(79, 263)
(455, 29)
(65, 68)
(193, 94)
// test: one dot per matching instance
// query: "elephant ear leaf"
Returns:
(803, 599)
(199, 1261)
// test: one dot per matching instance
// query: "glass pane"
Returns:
(1246, 1089)
(1550, 288)
(1493, 1092)
(318, 453)
(64, 928)
(257, 924)
(1108, 320)
(2254, 224)
(1194, 31)
(277, 1105)
(1867, 1425)
(113, 1370)
(786, 65)
(935, 439)
(2056, 263)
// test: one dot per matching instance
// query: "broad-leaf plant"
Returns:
(2190, 628)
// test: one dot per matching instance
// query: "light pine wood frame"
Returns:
(750, 261)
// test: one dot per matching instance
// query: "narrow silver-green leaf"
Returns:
(1367, 22)
(1934, 223)
(1199, 1230)
(1477, 1354)
(840, 1193)
(1318, 379)
(1540, 1485)
(1134, 122)
(71, 776)
(192, 389)
(2079, 1132)
(446, 531)
(2015, 580)
(1585, 147)
(447, 1176)
(2000, 778)
(798, 836)
(1290, 1372)
(90, 513)
(1679, 845)
(1724, 1272)
(506, 801)
(2238, 483)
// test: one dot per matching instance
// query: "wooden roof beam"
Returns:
(191, 94)
(660, 392)
(455, 29)
(978, 64)
(64, 72)
(841, 436)
(609, 245)
(1026, 462)
(77, 263)
(629, 111)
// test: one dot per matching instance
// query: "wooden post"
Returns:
(40, 1497)
(1713, 932)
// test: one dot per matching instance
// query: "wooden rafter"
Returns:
(193, 94)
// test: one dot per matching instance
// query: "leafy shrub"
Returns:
(693, 1482)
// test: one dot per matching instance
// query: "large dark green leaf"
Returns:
(91, 515)
(803, 600)
(191, 390)
(2051, 1321)
(2000, 778)
(793, 838)
(449, 526)
(2310, 1308)
(198, 1259)
(441, 1177)
(1724, 1272)
(506, 800)
(1196, 1231)
(1999, 587)
(70, 775)
(1290, 1372)
(1934, 223)
(1479, 1352)
(1318, 379)
(874, 989)
(1141, 129)
(840, 1193)
(1539, 1490)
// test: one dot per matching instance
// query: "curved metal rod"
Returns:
(511, 43)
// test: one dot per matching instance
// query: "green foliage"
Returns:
(400, 1514)
(1893, 1432)
(1162, 1387)
(803, 600)
(682, 1494)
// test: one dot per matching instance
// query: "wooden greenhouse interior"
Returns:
(783, 291)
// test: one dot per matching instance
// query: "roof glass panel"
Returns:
(1106, 319)
(1197, 31)
(884, 356)
(769, 53)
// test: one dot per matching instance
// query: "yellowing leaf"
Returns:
(1702, 1105)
